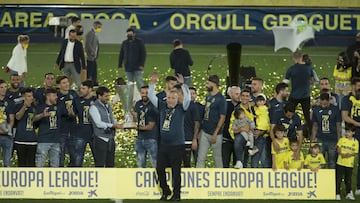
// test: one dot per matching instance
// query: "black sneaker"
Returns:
(165, 195)
(174, 198)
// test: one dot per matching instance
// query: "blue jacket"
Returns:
(79, 58)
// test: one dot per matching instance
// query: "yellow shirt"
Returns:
(280, 156)
(347, 146)
(294, 163)
(344, 74)
(314, 162)
(262, 118)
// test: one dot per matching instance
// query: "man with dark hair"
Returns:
(92, 51)
(172, 146)
(39, 93)
(350, 108)
(292, 122)
(277, 103)
(6, 141)
(324, 86)
(65, 97)
(180, 60)
(170, 82)
(25, 138)
(212, 124)
(48, 115)
(191, 127)
(300, 75)
(133, 55)
(75, 21)
(13, 95)
(147, 140)
(83, 131)
(326, 127)
(104, 126)
(71, 57)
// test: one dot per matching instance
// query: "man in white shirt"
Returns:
(71, 58)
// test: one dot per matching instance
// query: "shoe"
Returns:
(238, 164)
(248, 143)
(174, 199)
(165, 195)
(337, 197)
(350, 196)
(357, 192)
(253, 151)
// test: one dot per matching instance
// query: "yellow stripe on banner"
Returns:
(138, 183)
(286, 3)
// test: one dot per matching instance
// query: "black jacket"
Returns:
(78, 52)
(133, 54)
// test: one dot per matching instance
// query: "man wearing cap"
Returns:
(212, 124)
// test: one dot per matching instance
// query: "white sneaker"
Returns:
(238, 164)
(337, 197)
(357, 192)
(253, 151)
(350, 196)
(248, 143)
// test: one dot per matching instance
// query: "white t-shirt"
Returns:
(69, 52)
(18, 61)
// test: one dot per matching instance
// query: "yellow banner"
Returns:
(288, 3)
(136, 183)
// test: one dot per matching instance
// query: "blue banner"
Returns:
(244, 21)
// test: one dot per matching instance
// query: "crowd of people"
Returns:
(246, 129)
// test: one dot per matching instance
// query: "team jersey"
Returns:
(276, 110)
(314, 162)
(147, 113)
(49, 126)
(281, 154)
(326, 119)
(191, 115)
(215, 107)
(81, 108)
(25, 130)
(292, 162)
(291, 125)
(67, 122)
(347, 146)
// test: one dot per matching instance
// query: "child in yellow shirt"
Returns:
(279, 154)
(314, 160)
(295, 157)
(347, 148)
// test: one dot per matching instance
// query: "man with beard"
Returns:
(276, 109)
(83, 133)
(147, 119)
(13, 95)
(256, 88)
(324, 86)
(39, 93)
(212, 125)
(228, 136)
(350, 108)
